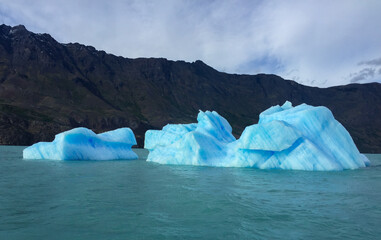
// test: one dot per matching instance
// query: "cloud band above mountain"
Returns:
(313, 42)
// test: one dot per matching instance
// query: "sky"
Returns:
(317, 43)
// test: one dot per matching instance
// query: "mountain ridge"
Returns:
(47, 87)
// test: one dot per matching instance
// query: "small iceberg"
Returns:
(84, 144)
(286, 137)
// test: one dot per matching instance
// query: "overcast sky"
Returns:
(320, 43)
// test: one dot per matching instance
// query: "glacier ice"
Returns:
(286, 137)
(84, 144)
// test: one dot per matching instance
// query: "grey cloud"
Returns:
(364, 74)
(373, 62)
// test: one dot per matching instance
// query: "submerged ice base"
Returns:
(84, 144)
(300, 138)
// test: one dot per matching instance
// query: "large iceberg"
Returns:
(84, 144)
(300, 138)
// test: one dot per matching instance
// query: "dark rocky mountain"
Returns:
(47, 87)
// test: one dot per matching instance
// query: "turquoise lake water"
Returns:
(140, 200)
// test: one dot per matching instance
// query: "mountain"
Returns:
(47, 87)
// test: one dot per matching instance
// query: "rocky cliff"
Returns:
(47, 87)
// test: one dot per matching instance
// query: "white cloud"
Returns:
(313, 42)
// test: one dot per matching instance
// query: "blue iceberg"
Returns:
(286, 137)
(84, 144)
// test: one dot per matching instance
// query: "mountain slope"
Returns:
(47, 87)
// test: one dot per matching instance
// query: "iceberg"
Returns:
(286, 137)
(203, 143)
(84, 144)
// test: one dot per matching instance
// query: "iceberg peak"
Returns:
(286, 105)
(274, 109)
(211, 123)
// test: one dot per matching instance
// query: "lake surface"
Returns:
(140, 200)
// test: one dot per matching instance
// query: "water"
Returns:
(140, 200)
